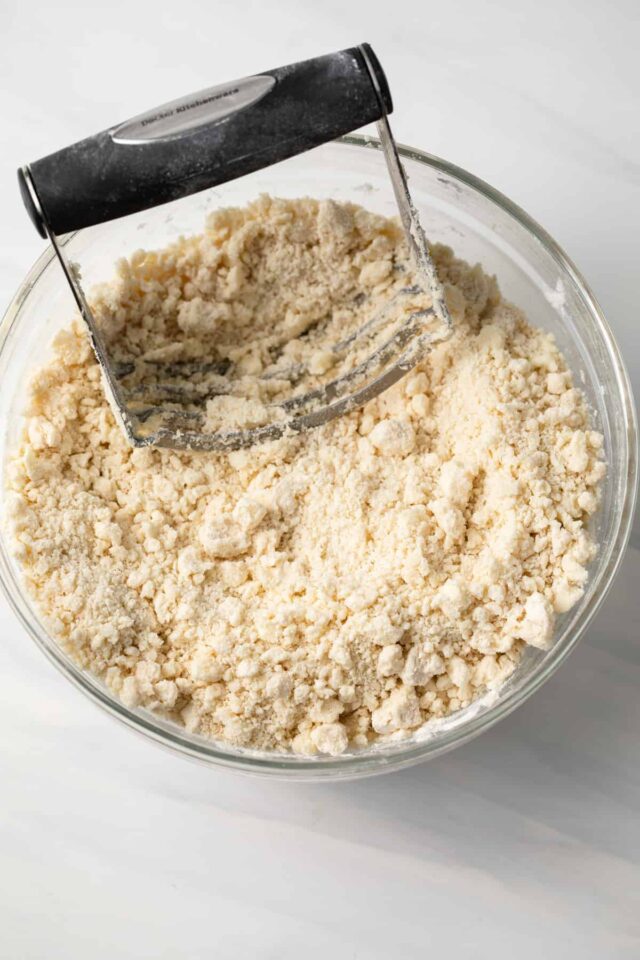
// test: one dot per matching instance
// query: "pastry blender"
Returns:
(205, 140)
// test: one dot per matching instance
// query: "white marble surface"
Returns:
(525, 841)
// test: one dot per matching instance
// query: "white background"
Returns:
(525, 842)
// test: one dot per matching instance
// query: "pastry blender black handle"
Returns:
(205, 139)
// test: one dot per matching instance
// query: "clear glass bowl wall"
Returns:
(482, 226)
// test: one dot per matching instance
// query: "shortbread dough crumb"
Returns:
(324, 592)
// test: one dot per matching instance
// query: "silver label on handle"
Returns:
(196, 110)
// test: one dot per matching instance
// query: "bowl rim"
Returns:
(403, 753)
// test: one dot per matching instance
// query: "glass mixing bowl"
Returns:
(481, 225)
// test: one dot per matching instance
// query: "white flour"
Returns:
(323, 592)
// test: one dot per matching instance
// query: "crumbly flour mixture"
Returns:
(322, 592)
(256, 311)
